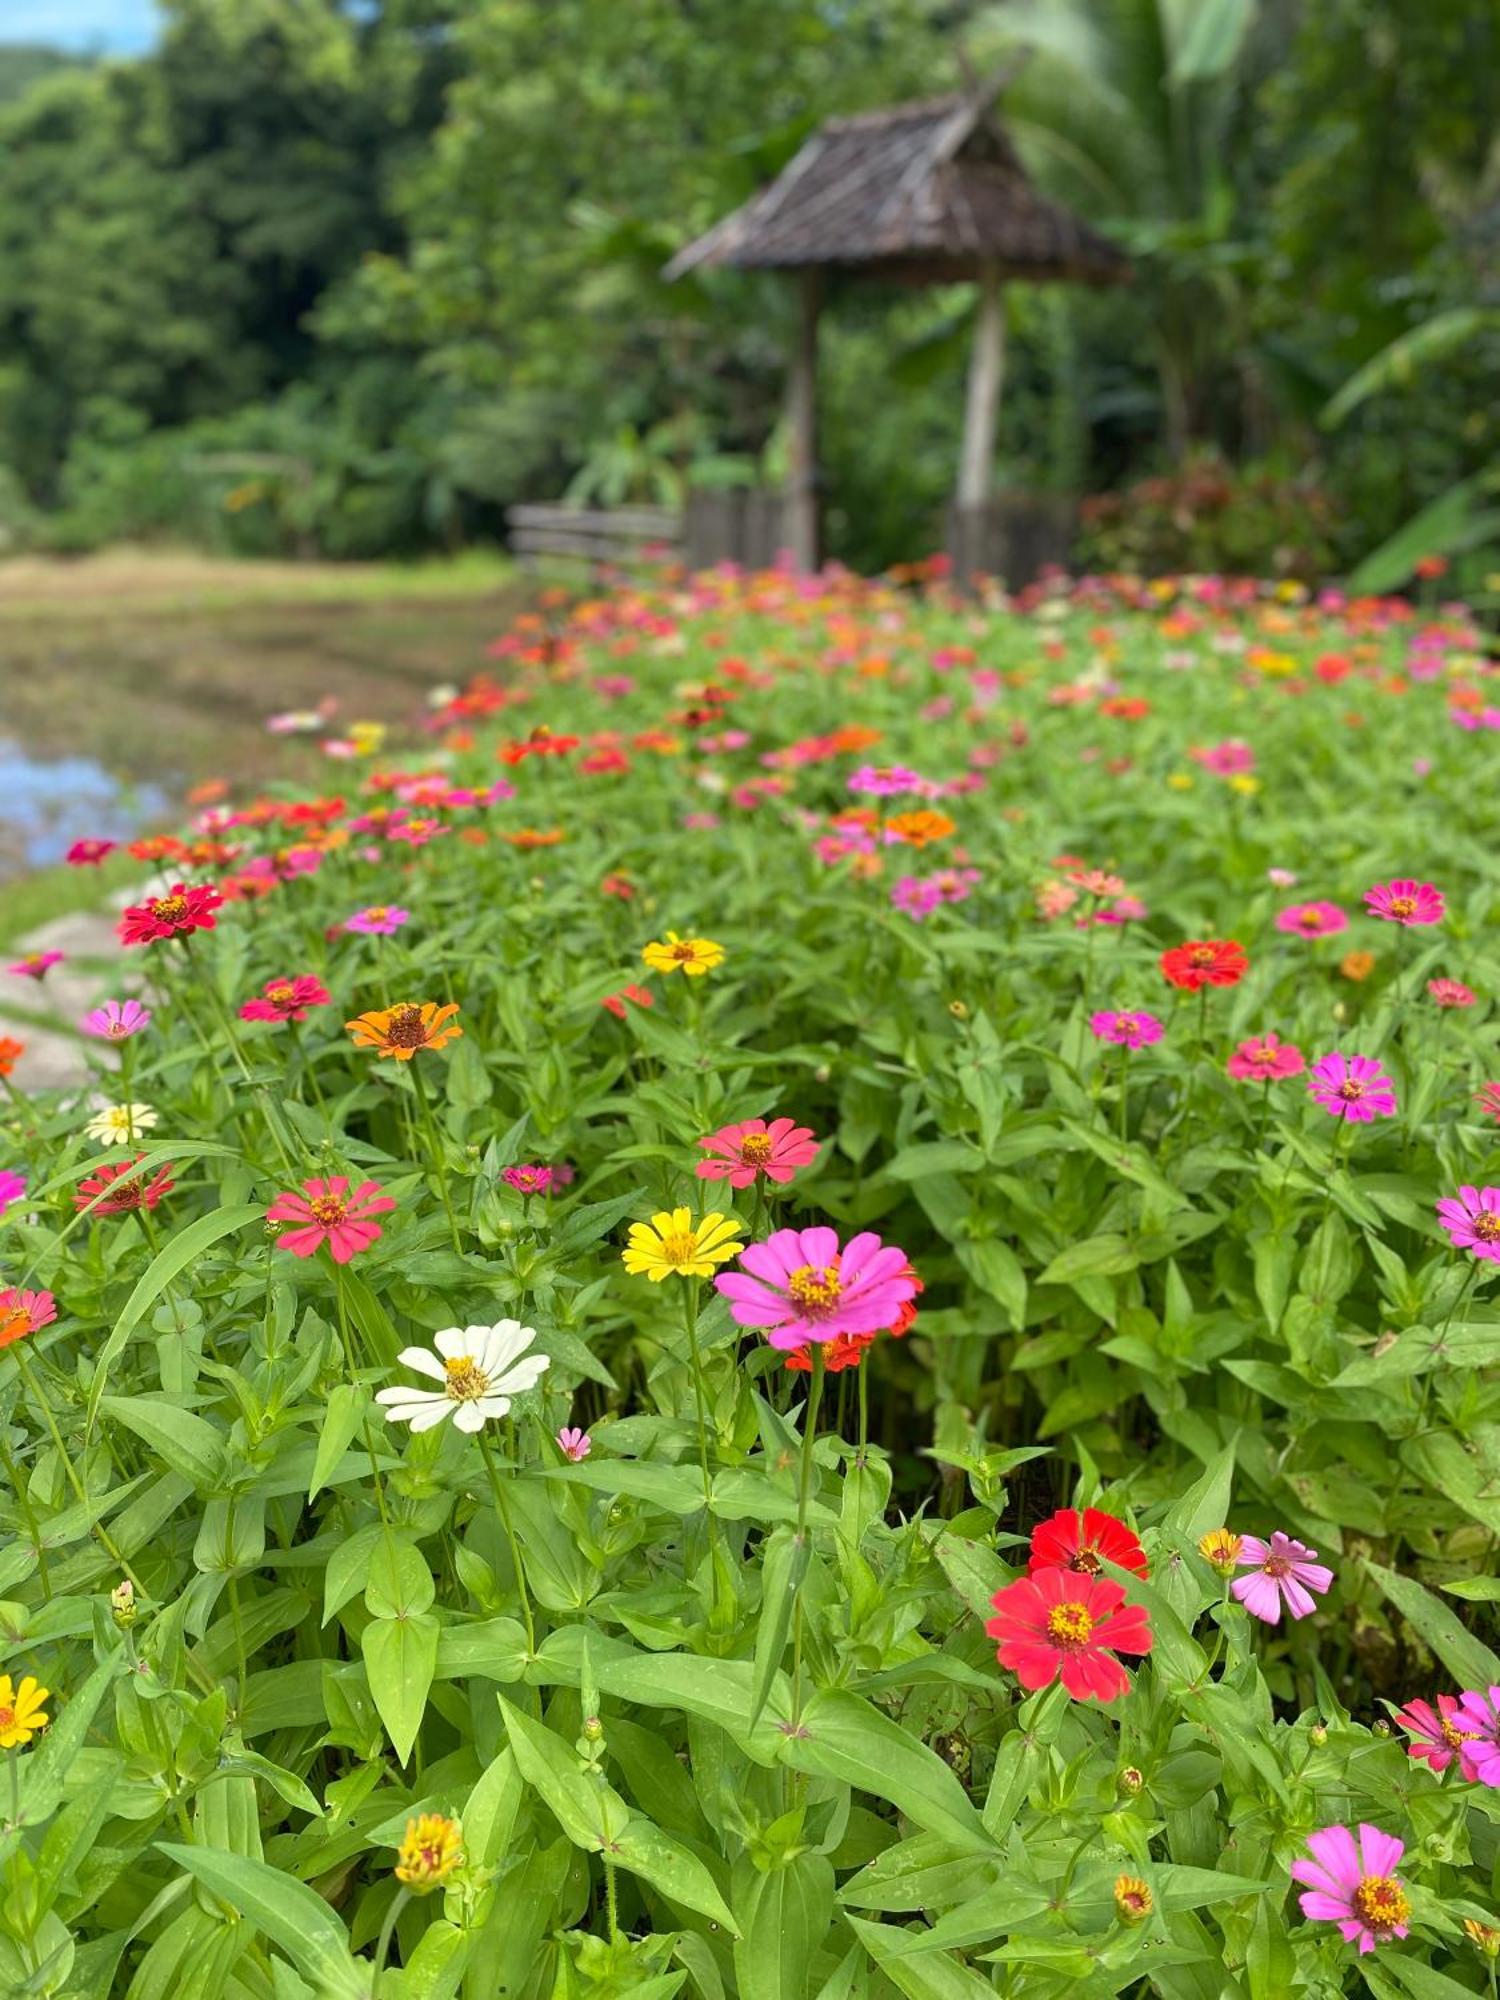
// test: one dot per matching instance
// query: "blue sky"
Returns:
(111, 27)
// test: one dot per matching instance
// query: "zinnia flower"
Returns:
(1488, 1098)
(401, 1031)
(1133, 1899)
(480, 1368)
(21, 1713)
(184, 909)
(1204, 962)
(326, 1212)
(1284, 1572)
(574, 1444)
(694, 956)
(1437, 1737)
(432, 1848)
(1354, 1887)
(739, 1153)
(527, 1180)
(1478, 1718)
(1405, 902)
(1451, 993)
(12, 1187)
(287, 999)
(36, 964)
(89, 853)
(24, 1312)
(125, 1190)
(118, 1124)
(800, 1286)
(11, 1052)
(1264, 1059)
(380, 920)
(1076, 1541)
(1059, 1625)
(673, 1245)
(1131, 1031)
(1351, 1087)
(117, 1020)
(1472, 1220)
(639, 996)
(1313, 919)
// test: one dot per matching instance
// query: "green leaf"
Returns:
(935, 1975)
(589, 1811)
(185, 1443)
(174, 1257)
(672, 1869)
(1216, 31)
(844, 1737)
(293, 1916)
(1468, 1659)
(400, 1657)
(782, 1572)
(1096, 1257)
(784, 1915)
(348, 1403)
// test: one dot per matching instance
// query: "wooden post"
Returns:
(801, 521)
(976, 465)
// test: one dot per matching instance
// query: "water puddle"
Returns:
(48, 803)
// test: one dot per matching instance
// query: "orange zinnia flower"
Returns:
(11, 1052)
(401, 1031)
(919, 829)
(531, 836)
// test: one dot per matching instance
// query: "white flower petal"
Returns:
(493, 1407)
(424, 1362)
(452, 1341)
(431, 1414)
(469, 1416)
(505, 1342)
(523, 1376)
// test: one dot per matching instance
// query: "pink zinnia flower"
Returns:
(639, 996)
(740, 1153)
(1354, 1887)
(527, 1180)
(287, 999)
(1097, 882)
(1284, 1571)
(1123, 910)
(1264, 1059)
(1438, 1737)
(1405, 902)
(89, 853)
(117, 1020)
(12, 1187)
(24, 1312)
(1225, 760)
(574, 1444)
(1472, 1220)
(1446, 992)
(1488, 1098)
(800, 1286)
(1281, 878)
(380, 920)
(1313, 920)
(1478, 1718)
(884, 781)
(1352, 1087)
(1131, 1031)
(326, 1212)
(36, 965)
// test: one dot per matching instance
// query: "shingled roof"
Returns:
(922, 192)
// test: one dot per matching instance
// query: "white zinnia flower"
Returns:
(480, 1368)
(119, 1124)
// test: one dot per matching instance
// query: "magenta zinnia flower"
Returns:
(117, 1020)
(1405, 902)
(1477, 1717)
(326, 1212)
(1284, 1571)
(1312, 919)
(12, 1187)
(1446, 992)
(1472, 1220)
(1354, 1886)
(528, 1180)
(1352, 1087)
(287, 999)
(574, 1444)
(1265, 1059)
(800, 1286)
(1437, 1737)
(36, 964)
(1131, 1031)
(380, 920)
(739, 1153)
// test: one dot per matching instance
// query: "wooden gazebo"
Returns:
(930, 193)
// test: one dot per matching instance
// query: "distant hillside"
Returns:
(24, 63)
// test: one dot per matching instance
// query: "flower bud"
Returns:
(1129, 1782)
(958, 1010)
(1133, 1899)
(593, 1729)
(1220, 1548)
(1483, 1937)
(122, 1604)
(1317, 1736)
(432, 1849)
(1380, 1727)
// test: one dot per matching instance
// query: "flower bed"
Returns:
(796, 1308)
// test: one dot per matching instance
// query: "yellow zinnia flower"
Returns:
(21, 1712)
(694, 956)
(432, 1849)
(673, 1244)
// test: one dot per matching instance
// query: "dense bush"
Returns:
(1113, 963)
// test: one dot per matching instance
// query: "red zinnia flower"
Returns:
(287, 999)
(615, 1002)
(24, 1312)
(127, 1191)
(1059, 1625)
(1204, 962)
(1075, 1541)
(183, 910)
(326, 1212)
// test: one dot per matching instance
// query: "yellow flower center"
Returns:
(1069, 1625)
(1402, 906)
(1350, 1089)
(467, 1381)
(406, 1028)
(1084, 1562)
(281, 994)
(328, 1210)
(815, 1289)
(378, 913)
(679, 1246)
(1382, 1902)
(13, 1322)
(1201, 955)
(169, 908)
(1486, 1226)
(684, 952)
(755, 1149)
(1454, 1739)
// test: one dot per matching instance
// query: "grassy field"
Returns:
(162, 667)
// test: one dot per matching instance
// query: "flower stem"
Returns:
(700, 1398)
(398, 1903)
(502, 1508)
(434, 1141)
